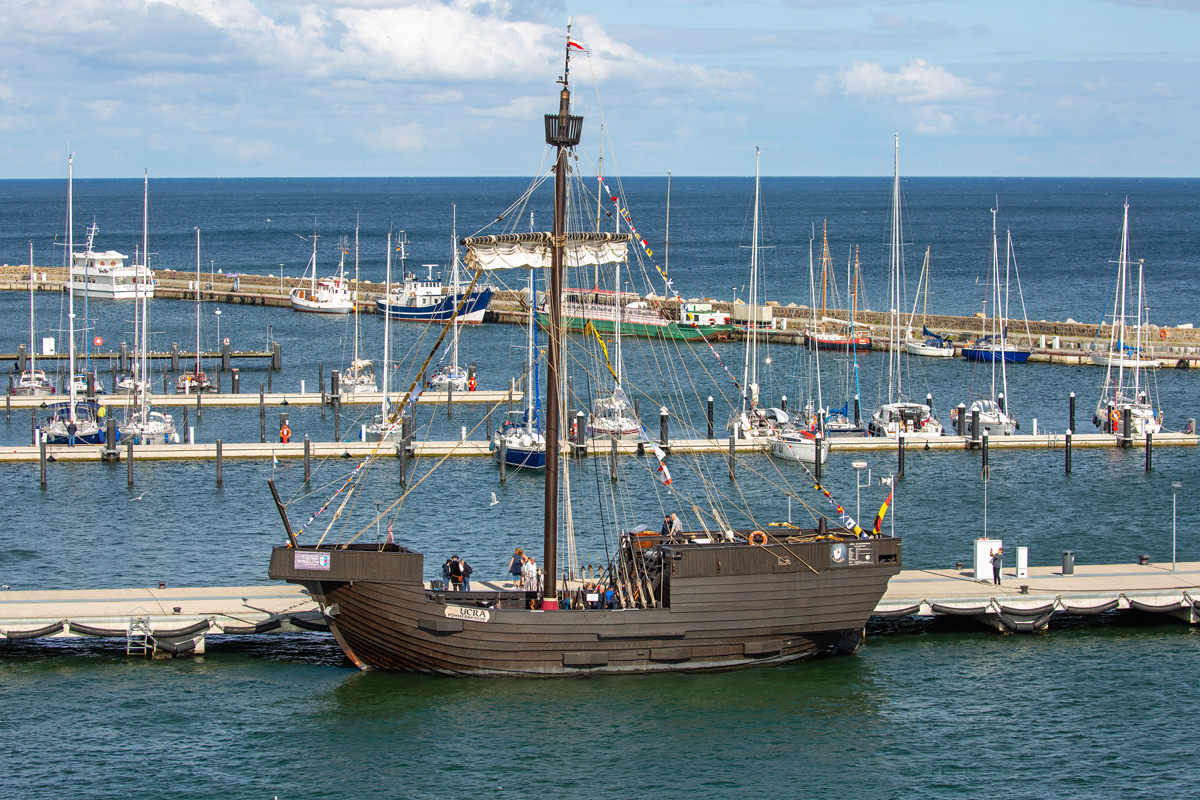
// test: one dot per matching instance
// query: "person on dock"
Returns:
(514, 566)
(446, 577)
(997, 565)
(456, 573)
(285, 433)
(529, 575)
(466, 574)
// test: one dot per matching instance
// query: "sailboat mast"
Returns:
(531, 388)
(354, 298)
(750, 371)
(71, 283)
(1124, 284)
(997, 335)
(141, 382)
(197, 309)
(454, 289)
(387, 331)
(565, 130)
(894, 386)
(1137, 369)
(667, 244)
(32, 350)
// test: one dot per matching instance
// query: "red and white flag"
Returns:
(576, 45)
(664, 474)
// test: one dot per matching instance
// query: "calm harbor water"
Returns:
(927, 709)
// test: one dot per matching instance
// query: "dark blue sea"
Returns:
(1096, 709)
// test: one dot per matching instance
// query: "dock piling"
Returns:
(1000, 401)
(510, 394)
(235, 383)
(225, 350)
(308, 457)
(174, 356)
(324, 400)
(129, 463)
(220, 463)
(198, 394)
(335, 383)
(33, 426)
(857, 411)
(1067, 448)
(8, 406)
(124, 357)
(929, 401)
(503, 460)
(1127, 427)
(21, 358)
(710, 416)
(818, 440)
(899, 455)
(262, 415)
(91, 384)
(337, 416)
(975, 431)
(960, 424)
(166, 383)
(580, 434)
(276, 356)
(612, 460)
(1071, 416)
(270, 374)
(1149, 450)
(321, 376)
(663, 417)
(732, 454)
(185, 425)
(42, 459)
(110, 438)
(783, 402)
(984, 450)
(449, 399)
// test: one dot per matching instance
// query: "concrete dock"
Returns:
(1026, 604)
(478, 448)
(252, 398)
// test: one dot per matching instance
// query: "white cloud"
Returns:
(103, 109)
(395, 138)
(915, 82)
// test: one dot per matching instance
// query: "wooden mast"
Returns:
(562, 131)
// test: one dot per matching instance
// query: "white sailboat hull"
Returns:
(798, 447)
(932, 351)
(1128, 362)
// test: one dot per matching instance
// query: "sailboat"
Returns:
(752, 421)
(993, 410)
(143, 424)
(1125, 392)
(721, 598)
(612, 416)
(520, 441)
(32, 382)
(360, 378)
(842, 336)
(195, 381)
(804, 440)
(452, 375)
(994, 343)
(846, 420)
(899, 415)
(73, 422)
(933, 345)
(325, 296)
(380, 429)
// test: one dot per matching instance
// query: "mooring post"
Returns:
(899, 454)
(1067, 445)
(323, 399)
(612, 460)
(235, 382)
(42, 459)
(335, 383)
(270, 375)
(91, 384)
(710, 416)
(817, 440)
(1127, 427)
(21, 357)
(663, 417)
(225, 356)
(110, 438)
(8, 407)
(321, 376)
(503, 459)
(33, 426)
(783, 402)
(262, 415)
(857, 411)
(218, 384)
(580, 434)
(1071, 416)
(124, 357)
(636, 410)
(276, 356)
(185, 425)
(510, 395)
(166, 384)
(129, 463)
(198, 393)
(1149, 450)
(975, 429)
(960, 424)
(174, 356)
(220, 463)
(732, 454)
(307, 458)
(1000, 402)
(449, 399)
(337, 418)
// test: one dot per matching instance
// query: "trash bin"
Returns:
(1068, 562)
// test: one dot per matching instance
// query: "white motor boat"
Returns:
(325, 296)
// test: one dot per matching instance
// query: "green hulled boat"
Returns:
(699, 321)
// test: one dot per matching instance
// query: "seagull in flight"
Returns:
(495, 502)
(139, 497)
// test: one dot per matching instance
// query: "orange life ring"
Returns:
(1162, 334)
(759, 538)
(1114, 419)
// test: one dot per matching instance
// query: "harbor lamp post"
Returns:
(859, 466)
(1175, 486)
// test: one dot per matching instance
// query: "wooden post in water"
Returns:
(1067, 443)
(235, 383)
(276, 356)
(663, 417)
(510, 395)
(449, 399)
(1149, 450)
(732, 451)
(960, 424)
(33, 427)
(322, 403)
(612, 461)
(129, 463)
(337, 418)
(174, 356)
(185, 425)
(220, 463)
(580, 434)
(166, 379)
(321, 376)
(1071, 423)
(262, 415)
(1127, 427)
(503, 459)
(985, 454)
(710, 416)
(270, 373)
(308, 456)
(198, 393)
(899, 453)
(42, 459)
(817, 470)
(975, 431)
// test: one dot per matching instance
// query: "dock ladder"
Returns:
(138, 641)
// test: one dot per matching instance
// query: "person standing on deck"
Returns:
(997, 565)
(466, 574)
(666, 528)
(456, 573)
(676, 527)
(514, 566)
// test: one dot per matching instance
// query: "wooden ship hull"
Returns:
(714, 607)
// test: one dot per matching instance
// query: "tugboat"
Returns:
(717, 598)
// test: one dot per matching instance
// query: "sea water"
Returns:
(1092, 708)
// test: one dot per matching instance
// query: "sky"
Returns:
(284, 88)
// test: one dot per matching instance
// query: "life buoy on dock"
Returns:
(471, 383)
(1114, 420)
(759, 538)
(1162, 335)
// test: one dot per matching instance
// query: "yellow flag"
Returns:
(590, 328)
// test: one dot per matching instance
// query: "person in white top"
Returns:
(529, 575)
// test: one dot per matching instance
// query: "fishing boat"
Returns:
(325, 296)
(430, 300)
(721, 597)
(32, 382)
(360, 378)
(900, 416)
(933, 345)
(992, 411)
(994, 342)
(1125, 393)
(142, 424)
(195, 381)
(519, 442)
(107, 275)
(75, 421)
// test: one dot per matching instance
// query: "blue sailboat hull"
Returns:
(523, 459)
(985, 354)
